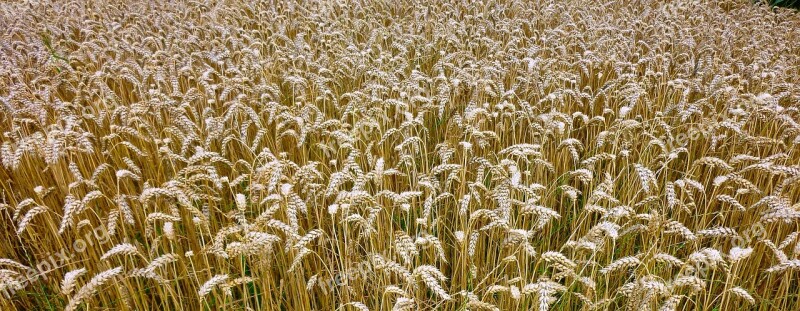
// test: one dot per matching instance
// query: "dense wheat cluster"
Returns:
(495, 155)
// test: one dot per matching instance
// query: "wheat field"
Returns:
(399, 155)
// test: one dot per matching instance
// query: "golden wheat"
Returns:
(407, 155)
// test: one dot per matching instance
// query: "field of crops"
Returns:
(399, 155)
